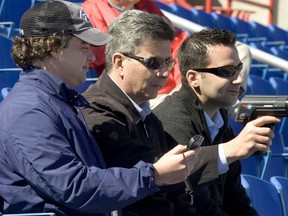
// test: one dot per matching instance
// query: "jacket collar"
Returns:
(107, 89)
(191, 102)
(53, 85)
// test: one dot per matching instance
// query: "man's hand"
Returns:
(254, 137)
(174, 166)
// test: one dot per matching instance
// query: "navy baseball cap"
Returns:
(56, 17)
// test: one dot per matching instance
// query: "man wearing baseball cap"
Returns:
(49, 160)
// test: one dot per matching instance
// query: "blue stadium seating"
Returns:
(275, 72)
(280, 85)
(277, 161)
(171, 8)
(12, 10)
(264, 71)
(8, 77)
(264, 196)
(259, 30)
(281, 184)
(284, 132)
(278, 34)
(5, 57)
(223, 22)
(185, 13)
(243, 27)
(260, 86)
(277, 51)
(202, 18)
(258, 69)
(253, 165)
(7, 29)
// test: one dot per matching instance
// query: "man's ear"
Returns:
(192, 78)
(117, 60)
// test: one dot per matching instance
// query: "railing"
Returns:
(228, 10)
(258, 55)
(269, 7)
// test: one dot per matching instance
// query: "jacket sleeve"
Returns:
(40, 152)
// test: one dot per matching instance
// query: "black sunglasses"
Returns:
(224, 71)
(152, 62)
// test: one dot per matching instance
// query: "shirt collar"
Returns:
(214, 123)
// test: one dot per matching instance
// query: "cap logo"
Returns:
(83, 15)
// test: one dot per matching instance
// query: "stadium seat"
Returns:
(278, 34)
(275, 72)
(253, 165)
(8, 77)
(223, 22)
(204, 19)
(259, 30)
(13, 10)
(277, 161)
(264, 196)
(185, 13)
(243, 27)
(277, 51)
(260, 86)
(7, 29)
(171, 8)
(281, 184)
(260, 46)
(284, 133)
(280, 85)
(258, 69)
(5, 48)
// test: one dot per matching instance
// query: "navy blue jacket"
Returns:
(48, 160)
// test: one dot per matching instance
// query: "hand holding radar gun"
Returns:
(254, 106)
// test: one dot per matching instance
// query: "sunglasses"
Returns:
(154, 63)
(224, 71)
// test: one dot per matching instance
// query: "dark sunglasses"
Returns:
(224, 71)
(154, 63)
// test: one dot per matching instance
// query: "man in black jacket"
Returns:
(138, 61)
(211, 82)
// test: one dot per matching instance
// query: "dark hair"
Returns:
(193, 52)
(25, 50)
(134, 27)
